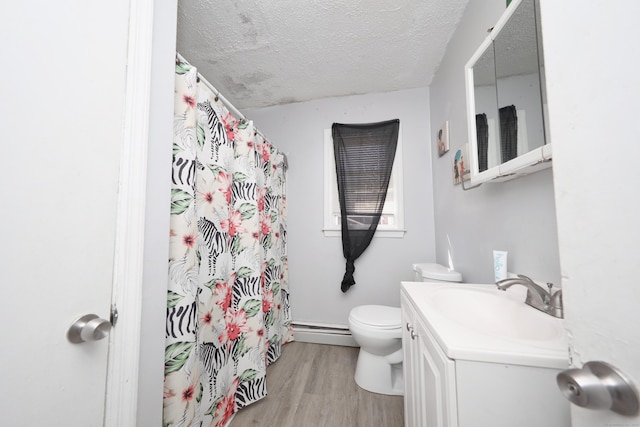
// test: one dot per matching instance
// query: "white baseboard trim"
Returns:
(323, 333)
(321, 338)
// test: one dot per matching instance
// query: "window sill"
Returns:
(394, 234)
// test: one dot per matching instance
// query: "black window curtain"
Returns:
(364, 155)
(482, 131)
(508, 133)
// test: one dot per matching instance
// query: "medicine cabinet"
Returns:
(506, 99)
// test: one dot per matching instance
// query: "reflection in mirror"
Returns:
(518, 84)
(543, 83)
(486, 105)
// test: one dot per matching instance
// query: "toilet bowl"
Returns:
(378, 331)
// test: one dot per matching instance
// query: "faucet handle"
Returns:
(557, 305)
(556, 297)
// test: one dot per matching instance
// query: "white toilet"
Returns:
(378, 331)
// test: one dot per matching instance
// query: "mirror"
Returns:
(506, 97)
(486, 106)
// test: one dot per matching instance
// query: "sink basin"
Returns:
(478, 322)
(496, 313)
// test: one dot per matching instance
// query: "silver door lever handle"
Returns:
(89, 327)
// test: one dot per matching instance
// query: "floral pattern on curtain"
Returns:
(273, 232)
(228, 306)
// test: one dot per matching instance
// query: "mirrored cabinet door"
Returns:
(518, 84)
(506, 98)
(486, 105)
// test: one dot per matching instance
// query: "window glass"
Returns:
(392, 220)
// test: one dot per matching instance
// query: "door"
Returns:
(593, 88)
(62, 91)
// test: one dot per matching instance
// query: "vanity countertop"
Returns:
(480, 323)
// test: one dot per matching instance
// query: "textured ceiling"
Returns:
(260, 53)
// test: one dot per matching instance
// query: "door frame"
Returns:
(121, 399)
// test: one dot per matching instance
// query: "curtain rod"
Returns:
(216, 92)
(229, 105)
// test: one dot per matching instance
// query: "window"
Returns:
(392, 220)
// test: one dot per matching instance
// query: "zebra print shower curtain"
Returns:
(228, 306)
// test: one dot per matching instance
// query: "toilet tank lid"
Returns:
(437, 272)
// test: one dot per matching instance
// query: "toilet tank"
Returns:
(435, 273)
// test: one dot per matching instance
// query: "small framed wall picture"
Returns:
(442, 138)
(461, 171)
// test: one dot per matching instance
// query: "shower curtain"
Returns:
(228, 306)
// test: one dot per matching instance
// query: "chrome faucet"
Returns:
(547, 301)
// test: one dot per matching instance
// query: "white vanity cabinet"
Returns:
(448, 386)
(430, 392)
(412, 388)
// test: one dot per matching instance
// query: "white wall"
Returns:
(156, 245)
(316, 264)
(517, 216)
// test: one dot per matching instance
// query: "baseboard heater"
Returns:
(323, 333)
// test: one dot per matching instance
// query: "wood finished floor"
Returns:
(312, 385)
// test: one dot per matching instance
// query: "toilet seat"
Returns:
(377, 316)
